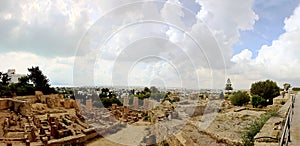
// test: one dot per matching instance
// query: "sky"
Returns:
(168, 43)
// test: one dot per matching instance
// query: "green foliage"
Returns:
(286, 86)
(4, 79)
(266, 89)
(146, 89)
(296, 89)
(107, 102)
(4, 89)
(153, 89)
(143, 95)
(158, 96)
(103, 95)
(226, 96)
(22, 89)
(228, 88)
(257, 100)
(39, 80)
(239, 98)
(251, 130)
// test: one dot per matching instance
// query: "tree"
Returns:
(4, 79)
(286, 86)
(239, 98)
(153, 89)
(228, 86)
(146, 89)
(266, 89)
(24, 80)
(39, 80)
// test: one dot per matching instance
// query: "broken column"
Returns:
(150, 105)
(126, 101)
(135, 103)
(113, 106)
(125, 110)
(89, 105)
(146, 102)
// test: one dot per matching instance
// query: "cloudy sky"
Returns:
(170, 43)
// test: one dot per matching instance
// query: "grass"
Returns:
(250, 131)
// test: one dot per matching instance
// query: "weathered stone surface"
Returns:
(135, 103)
(281, 99)
(271, 131)
(89, 104)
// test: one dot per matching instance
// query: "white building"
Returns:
(14, 77)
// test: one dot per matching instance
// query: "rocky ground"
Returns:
(225, 129)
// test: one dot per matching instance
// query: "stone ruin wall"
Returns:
(15, 105)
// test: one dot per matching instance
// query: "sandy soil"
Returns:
(131, 135)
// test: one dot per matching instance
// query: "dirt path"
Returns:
(131, 135)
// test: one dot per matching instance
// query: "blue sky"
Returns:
(269, 27)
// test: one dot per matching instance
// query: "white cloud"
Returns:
(58, 69)
(245, 55)
(55, 28)
(278, 61)
(293, 23)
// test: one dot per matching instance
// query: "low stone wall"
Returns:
(271, 131)
(5, 103)
(76, 139)
(16, 105)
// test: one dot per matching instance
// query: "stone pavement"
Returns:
(295, 125)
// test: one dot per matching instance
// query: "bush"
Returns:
(257, 100)
(266, 89)
(239, 98)
(226, 96)
(107, 102)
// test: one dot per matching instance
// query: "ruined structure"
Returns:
(42, 120)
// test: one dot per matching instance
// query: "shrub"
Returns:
(257, 100)
(266, 89)
(239, 98)
(107, 102)
(226, 96)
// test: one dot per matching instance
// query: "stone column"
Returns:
(150, 105)
(126, 110)
(135, 103)
(125, 101)
(89, 105)
(146, 103)
(113, 106)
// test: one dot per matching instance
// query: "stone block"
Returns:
(135, 103)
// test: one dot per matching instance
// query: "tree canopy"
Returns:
(39, 80)
(286, 86)
(4, 79)
(266, 89)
